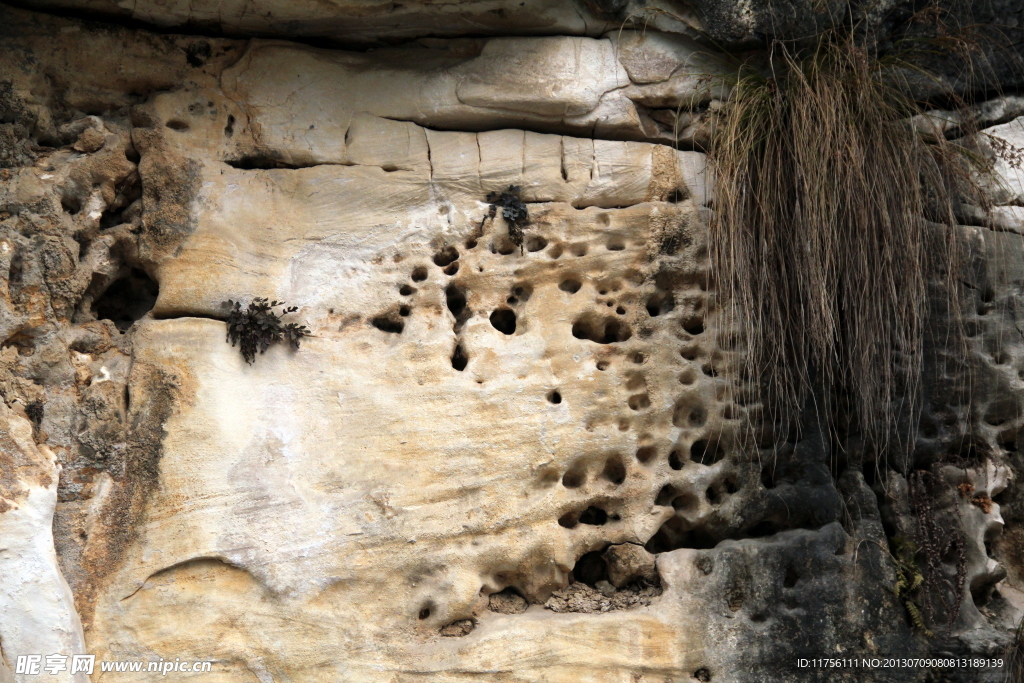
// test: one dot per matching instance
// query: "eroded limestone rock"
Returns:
(474, 429)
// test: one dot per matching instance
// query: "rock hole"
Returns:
(504, 320)
(555, 251)
(620, 310)
(705, 452)
(659, 304)
(459, 358)
(791, 578)
(455, 297)
(614, 470)
(602, 365)
(615, 244)
(645, 454)
(703, 674)
(676, 460)
(578, 249)
(709, 370)
(574, 477)
(694, 326)
(70, 204)
(690, 352)
(451, 268)
(666, 495)
(404, 311)
(638, 402)
(675, 196)
(594, 516)
(389, 322)
(127, 299)
(406, 290)
(570, 285)
(554, 397)
(569, 520)
(470, 244)
(425, 612)
(229, 129)
(601, 329)
(591, 568)
(687, 377)
(638, 357)
(178, 125)
(535, 243)
(446, 256)
(419, 274)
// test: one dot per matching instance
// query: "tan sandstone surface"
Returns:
(472, 426)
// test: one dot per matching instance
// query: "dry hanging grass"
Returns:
(827, 229)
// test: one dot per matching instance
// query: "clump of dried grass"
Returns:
(828, 226)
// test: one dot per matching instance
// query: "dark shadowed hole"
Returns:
(127, 299)
(389, 322)
(451, 268)
(535, 243)
(446, 256)
(569, 520)
(659, 304)
(570, 285)
(456, 300)
(602, 330)
(419, 274)
(424, 613)
(705, 452)
(645, 454)
(459, 358)
(591, 568)
(178, 125)
(594, 516)
(676, 460)
(554, 397)
(638, 402)
(470, 244)
(404, 311)
(574, 477)
(791, 578)
(694, 326)
(666, 495)
(614, 470)
(504, 320)
(406, 290)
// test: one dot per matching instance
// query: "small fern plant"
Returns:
(258, 326)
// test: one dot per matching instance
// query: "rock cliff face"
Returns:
(491, 460)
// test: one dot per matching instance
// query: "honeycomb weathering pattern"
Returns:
(468, 417)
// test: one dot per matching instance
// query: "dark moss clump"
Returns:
(255, 328)
(513, 210)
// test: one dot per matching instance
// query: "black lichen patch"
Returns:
(513, 210)
(255, 328)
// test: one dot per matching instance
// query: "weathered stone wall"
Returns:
(487, 462)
